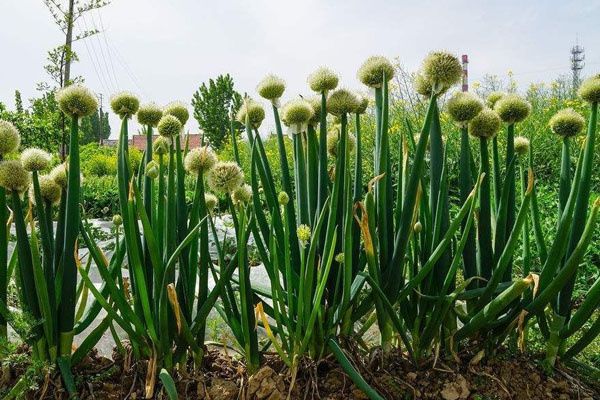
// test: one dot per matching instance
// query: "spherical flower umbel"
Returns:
(567, 123)
(323, 80)
(50, 191)
(255, 112)
(34, 159)
(422, 85)
(149, 114)
(271, 87)
(333, 138)
(339, 258)
(125, 104)
(76, 101)
(297, 113)
(463, 107)
(161, 145)
(200, 159)
(13, 176)
(303, 232)
(152, 170)
(362, 105)
(315, 103)
(9, 138)
(59, 175)
(342, 101)
(169, 126)
(589, 90)
(211, 202)
(117, 220)
(442, 69)
(485, 125)
(283, 198)
(225, 177)
(512, 108)
(242, 194)
(179, 110)
(374, 70)
(493, 98)
(521, 146)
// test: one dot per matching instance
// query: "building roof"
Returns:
(139, 141)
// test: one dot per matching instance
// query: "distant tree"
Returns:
(18, 101)
(91, 128)
(212, 104)
(39, 125)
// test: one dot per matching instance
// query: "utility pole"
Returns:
(465, 73)
(577, 64)
(101, 121)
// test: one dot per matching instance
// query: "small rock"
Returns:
(222, 389)
(411, 376)
(266, 384)
(456, 390)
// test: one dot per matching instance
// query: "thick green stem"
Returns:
(66, 310)
(484, 226)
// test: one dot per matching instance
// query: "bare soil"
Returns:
(222, 377)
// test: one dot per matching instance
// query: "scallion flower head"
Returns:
(242, 194)
(342, 101)
(418, 227)
(59, 174)
(75, 100)
(493, 98)
(225, 177)
(521, 146)
(271, 87)
(13, 176)
(296, 114)
(303, 232)
(152, 170)
(200, 159)
(512, 108)
(169, 126)
(315, 103)
(125, 104)
(333, 138)
(50, 191)
(211, 201)
(485, 124)
(422, 85)
(34, 159)
(567, 123)
(161, 145)
(463, 107)
(149, 114)
(179, 110)
(589, 90)
(283, 198)
(255, 112)
(9, 138)
(442, 69)
(323, 80)
(374, 70)
(117, 220)
(339, 258)
(363, 104)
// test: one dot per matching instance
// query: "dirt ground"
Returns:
(224, 378)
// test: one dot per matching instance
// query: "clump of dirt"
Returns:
(222, 377)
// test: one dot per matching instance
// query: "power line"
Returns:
(108, 72)
(109, 83)
(98, 75)
(112, 66)
(125, 66)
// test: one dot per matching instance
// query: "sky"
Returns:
(163, 50)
